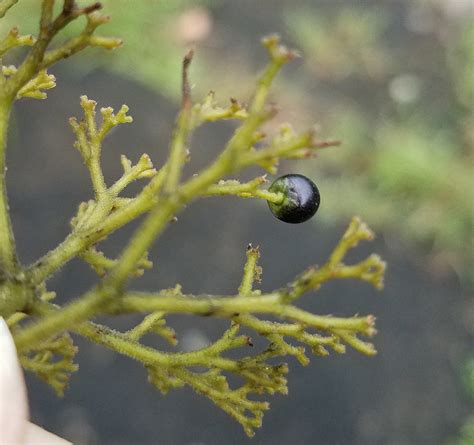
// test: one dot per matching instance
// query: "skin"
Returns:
(301, 198)
(15, 429)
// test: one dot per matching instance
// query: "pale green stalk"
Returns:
(8, 261)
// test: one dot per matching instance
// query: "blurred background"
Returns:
(395, 81)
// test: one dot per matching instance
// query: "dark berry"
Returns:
(301, 198)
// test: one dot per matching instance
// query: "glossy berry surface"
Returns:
(301, 198)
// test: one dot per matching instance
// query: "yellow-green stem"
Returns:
(8, 260)
(228, 306)
(5, 5)
(71, 315)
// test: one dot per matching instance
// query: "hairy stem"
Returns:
(8, 260)
(229, 306)
(73, 315)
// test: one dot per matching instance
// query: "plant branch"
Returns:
(44, 344)
(8, 259)
(237, 155)
(39, 58)
(5, 5)
(276, 303)
(248, 189)
(168, 370)
(181, 133)
(14, 39)
(158, 218)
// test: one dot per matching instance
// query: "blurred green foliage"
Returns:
(468, 378)
(151, 52)
(393, 80)
(466, 433)
(340, 43)
(405, 113)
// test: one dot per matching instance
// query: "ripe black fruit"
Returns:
(301, 198)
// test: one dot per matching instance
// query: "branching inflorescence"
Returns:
(44, 344)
